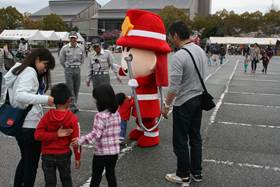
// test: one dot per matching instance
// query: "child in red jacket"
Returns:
(125, 105)
(56, 129)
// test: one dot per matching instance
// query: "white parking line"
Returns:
(247, 165)
(258, 80)
(248, 125)
(253, 93)
(269, 73)
(129, 148)
(211, 74)
(123, 152)
(219, 103)
(3, 135)
(251, 105)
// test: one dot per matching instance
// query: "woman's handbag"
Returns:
(11, 118)
(207, 99)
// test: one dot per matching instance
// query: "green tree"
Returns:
(53, 22)
(10, 18)
(75, 28)
(211, 25)
(28, 23)
(169, 14)
(271, 22)
(231, 24)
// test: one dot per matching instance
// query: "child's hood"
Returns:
(60, 117)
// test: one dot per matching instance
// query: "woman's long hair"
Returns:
(44, 55)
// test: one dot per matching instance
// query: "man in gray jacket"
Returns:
(71, 58)
(187, 112)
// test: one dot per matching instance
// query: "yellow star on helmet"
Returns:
(126, 26)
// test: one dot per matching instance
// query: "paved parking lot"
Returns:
(240, 136)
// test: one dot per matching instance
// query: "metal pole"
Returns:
(130, 74)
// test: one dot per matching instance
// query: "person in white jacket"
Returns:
(23, 81)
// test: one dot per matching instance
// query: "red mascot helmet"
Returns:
(145, 30)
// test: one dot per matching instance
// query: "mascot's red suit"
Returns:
(144, 38)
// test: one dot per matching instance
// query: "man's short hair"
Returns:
(61, 93)
(181, 29)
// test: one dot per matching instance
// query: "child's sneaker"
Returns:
(172, 177)
(197, 177)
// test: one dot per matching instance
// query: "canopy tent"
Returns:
(242, 40)
(36, 35)
(64, 36)
(18, 34)
(50, 35)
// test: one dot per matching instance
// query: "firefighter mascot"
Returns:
(144, 58)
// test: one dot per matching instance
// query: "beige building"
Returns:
(77, 13)
(111, 15)
(93, 20)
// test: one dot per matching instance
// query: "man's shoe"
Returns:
(197, 177)
(172, 177)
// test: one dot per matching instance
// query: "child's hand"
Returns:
(50, 100)
(77, 164)
(74, 141)
(64, 132)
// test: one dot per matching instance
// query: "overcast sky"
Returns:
(237, 6)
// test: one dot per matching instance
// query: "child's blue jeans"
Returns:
(123, 125)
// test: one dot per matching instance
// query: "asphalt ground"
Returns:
(240, 136)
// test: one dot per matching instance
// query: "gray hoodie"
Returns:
(22, 92)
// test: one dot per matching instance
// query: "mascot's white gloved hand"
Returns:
(133, 83)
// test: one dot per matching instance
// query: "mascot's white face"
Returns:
(143, 62)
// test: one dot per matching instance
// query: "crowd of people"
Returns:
(52, 134)
(253, 55)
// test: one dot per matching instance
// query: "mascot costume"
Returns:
(144, 58)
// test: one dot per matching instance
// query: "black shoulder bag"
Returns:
(8, 62)
(207, 99)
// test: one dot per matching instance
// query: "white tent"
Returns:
(26, 34)
(50, 35)
(243, 40)
(64, 36)
(36, 35)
